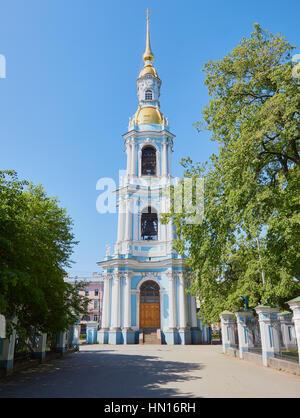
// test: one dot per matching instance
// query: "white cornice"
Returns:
(141, 134)
(138, 264)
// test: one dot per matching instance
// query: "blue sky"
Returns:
(70, 89)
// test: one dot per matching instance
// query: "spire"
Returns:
(148, 54)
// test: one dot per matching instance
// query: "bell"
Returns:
(149, 225)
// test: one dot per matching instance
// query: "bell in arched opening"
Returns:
(148, 161)
(149, 225)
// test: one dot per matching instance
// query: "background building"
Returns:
(94, 291)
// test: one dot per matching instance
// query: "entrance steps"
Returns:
(150, 336)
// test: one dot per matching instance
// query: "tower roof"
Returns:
(148, 115)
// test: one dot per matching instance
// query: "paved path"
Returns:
(150, 371)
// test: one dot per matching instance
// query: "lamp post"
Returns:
(245, 298)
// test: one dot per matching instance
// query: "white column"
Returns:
(136, 223)
(121, 220)
(164, 159)
(133, 158)
(182, 302)
(116, 302)
(194, 312)
(172, 305)
(128, 219)
(105, 306)
(128, 152)
(140, 163)
(127, 301)
(158, 170)
(169, 153)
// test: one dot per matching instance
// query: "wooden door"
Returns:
(149, 305)
(149, 315)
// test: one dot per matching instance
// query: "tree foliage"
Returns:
(36, 242)
(248, 243)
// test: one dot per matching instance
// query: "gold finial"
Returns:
(148, 54)
(148, 11)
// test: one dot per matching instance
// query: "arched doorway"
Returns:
(149, 305)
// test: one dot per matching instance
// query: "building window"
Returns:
(96, 292)
(149, 225)
(95, 317)
(86, 293)
(86, 318)
(148, 161)
(149, 292)
(148, 95)
(96, 304)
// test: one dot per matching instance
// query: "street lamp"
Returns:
(245, 298)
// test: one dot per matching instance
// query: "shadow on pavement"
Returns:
(101, 374)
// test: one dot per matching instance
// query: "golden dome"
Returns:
(148, 115)
(148, 69)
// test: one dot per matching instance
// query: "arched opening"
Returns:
(149, 225)
(148, 95)
(149, 305)
(148, 161)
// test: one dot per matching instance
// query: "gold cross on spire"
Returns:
(148, 11)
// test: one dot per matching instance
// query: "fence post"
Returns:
(245, 336)
(228, 324)
(295, 307)
(39, 345)
(269, 331)
(75, 335)
(61, 342)
(7, 351)
(287, 329)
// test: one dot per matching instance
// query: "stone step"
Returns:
(149, 336)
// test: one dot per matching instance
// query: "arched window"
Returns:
(149, 161)
(149, 292)
(148, 95)
(149, 225)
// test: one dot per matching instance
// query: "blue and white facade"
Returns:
(137, 257)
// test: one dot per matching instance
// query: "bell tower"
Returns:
(148, 145)
(144, 278)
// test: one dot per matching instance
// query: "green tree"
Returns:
(36, 242)
(248, 242)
